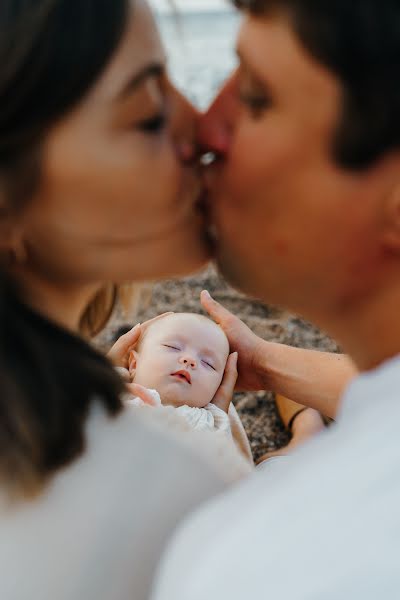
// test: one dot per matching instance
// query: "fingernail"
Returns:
(136, 327)
(207, 294)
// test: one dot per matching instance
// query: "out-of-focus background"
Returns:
(200, 39)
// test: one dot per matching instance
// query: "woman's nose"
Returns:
(183, 122)
(188, 361)
(216, 126)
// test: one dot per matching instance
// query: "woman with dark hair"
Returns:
(95, 186)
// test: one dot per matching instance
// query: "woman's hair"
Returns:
(359, 41)
(99, 311)
(49, 380)
(127, 296)
(51, 54)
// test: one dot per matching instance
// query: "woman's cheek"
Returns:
(160, 176)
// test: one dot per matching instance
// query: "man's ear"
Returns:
(132, 362)
(391, 224)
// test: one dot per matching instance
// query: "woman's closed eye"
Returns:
(153, 125)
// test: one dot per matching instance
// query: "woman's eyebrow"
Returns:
(151, 70)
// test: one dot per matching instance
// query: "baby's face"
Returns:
(183, 357)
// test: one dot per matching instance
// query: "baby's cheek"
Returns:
(199, 394)
(219, 379)
(214, 384)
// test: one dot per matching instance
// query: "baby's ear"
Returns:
(132, 362)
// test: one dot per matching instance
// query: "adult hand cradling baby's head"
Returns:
(119, 353)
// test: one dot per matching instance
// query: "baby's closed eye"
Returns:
(172, 347)
(208, 364)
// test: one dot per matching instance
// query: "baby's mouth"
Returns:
(183, 375)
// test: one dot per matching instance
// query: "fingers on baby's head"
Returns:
(122, 330)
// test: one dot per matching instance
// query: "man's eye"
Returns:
(172, 347)
(208, 364)
(256, 104)
(153, 125)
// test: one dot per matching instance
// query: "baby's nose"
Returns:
(188, 361)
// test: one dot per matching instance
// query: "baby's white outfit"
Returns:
(209, 418)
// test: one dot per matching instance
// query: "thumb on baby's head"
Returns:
(119, 351)
(224, 395)
(132, 362)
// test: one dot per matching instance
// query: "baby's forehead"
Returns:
(187, 325)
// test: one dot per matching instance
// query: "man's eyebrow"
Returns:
(149, 71)
(243, 60)
(261, 79)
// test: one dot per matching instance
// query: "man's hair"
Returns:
(359, 41)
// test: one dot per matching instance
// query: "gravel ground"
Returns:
(257, 410)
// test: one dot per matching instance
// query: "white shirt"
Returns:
(323, 524)
(98, 530)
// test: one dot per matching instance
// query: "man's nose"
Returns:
(188, 362)
(216, 126)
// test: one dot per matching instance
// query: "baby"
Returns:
(183, 357)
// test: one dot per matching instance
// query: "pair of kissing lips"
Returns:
(184, 375)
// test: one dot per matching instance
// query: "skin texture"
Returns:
(181, 342)
(116, 200)
(295, 228)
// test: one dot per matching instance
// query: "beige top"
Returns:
(99, 529)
